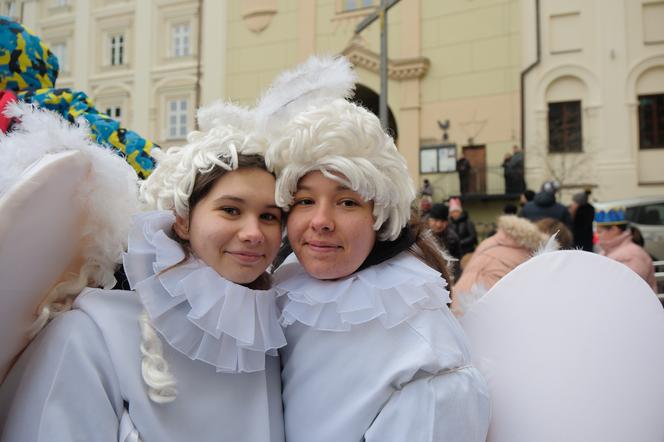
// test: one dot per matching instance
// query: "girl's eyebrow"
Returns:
(242, 201)
(339, 187)
(230, 197)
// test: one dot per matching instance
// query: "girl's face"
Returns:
(607, 233)
(330, 227)
(236, 227)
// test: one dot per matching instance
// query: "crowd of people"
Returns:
(519, 234)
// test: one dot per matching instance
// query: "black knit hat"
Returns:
(439, 211)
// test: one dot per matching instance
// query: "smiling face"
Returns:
(236, 227)
(330, 227)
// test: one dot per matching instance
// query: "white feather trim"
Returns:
(466, 300)
(551, 245)
(221, 113)
(320, 79)
(109, 194)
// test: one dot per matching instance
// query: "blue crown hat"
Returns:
(613, 216)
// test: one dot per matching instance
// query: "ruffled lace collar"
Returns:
(198, 312)
(390, 292)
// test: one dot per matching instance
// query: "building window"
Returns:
(116, 43)
(565, 126)
(114, 112)
(180, 38)
(438, 159)
(176, 119)
(10, 9)
(60, 52)
(651, 121)
(352, 5)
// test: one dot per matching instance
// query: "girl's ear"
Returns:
(181, 227)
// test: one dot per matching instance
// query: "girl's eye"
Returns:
(304, 202)
(348, 203)
(270, 217)
(231, 210)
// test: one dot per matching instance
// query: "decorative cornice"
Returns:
(258, 14)
(399, 69)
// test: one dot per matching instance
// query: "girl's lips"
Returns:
(322, 247)
(246, 257)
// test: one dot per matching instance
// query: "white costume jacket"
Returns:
(377, 356)
(80, 380)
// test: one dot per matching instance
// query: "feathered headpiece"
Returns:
(226, 131)
(314, 128)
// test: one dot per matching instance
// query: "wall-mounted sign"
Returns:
(439, 158)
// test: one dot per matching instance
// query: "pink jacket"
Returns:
(622, 249)
(514, 243)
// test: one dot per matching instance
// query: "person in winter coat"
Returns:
(615, 240)
(439, 225)
(515, 242)
(544, 205)
(463, 227)
(583, 214)
(29, 69)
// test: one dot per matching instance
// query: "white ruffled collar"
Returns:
(198, 312)
(390, 292)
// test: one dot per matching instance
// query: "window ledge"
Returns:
(354, 13)
(62, 9)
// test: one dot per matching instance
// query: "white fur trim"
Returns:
(525, 233)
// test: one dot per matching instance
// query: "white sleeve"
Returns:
(64, 387)
(450, 406)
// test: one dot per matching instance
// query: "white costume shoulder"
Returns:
(92, 356)
(377, 356)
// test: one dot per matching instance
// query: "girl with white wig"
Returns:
(190, 352)
(373, 351)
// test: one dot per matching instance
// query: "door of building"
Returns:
(476, 156)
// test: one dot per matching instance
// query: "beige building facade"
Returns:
(462, 63)
(608, 57)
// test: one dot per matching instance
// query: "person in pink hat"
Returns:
(463, 226)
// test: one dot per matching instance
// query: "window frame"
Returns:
(116, 54)
(570, 137)
(177, 131)
(657, 141)
(442, 152)
(178, 48)
(116, 111)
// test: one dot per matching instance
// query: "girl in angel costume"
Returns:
(200, 316)
(373, 353)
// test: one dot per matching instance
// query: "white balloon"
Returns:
(572, 346)
(38, 238)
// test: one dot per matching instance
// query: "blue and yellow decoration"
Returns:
(30, 69)
(611, 217)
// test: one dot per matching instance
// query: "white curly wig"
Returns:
(343, 138)
(226, 132)
(109, 196)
